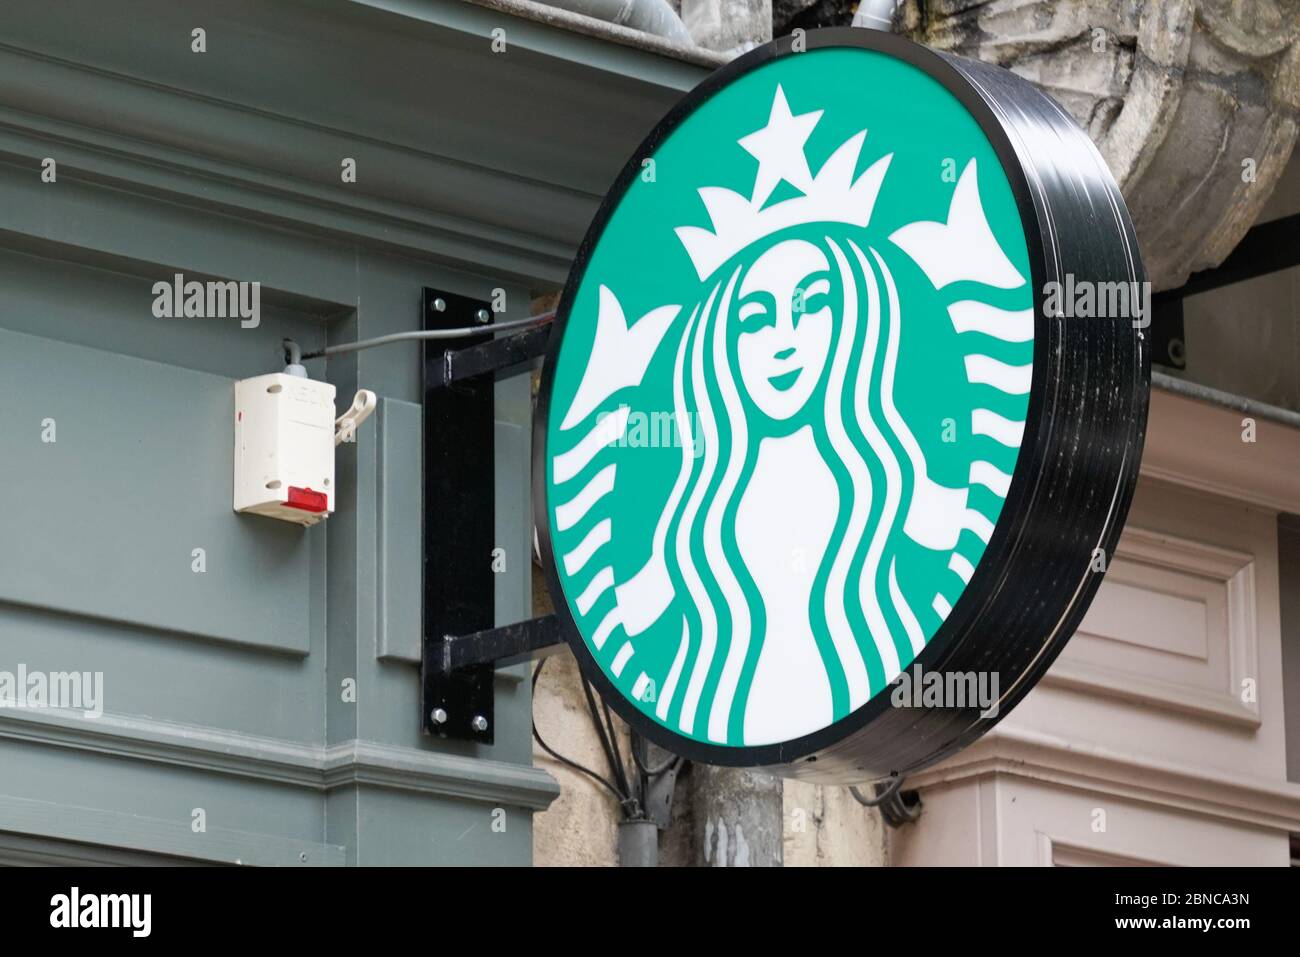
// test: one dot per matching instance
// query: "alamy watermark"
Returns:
(1085, 299)
(67, 690)
(208, 300)
(651, 430)
(917, 688)
(133, 912)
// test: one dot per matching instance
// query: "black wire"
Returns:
(621, 788)
(891, 789)
(537, 735)
(613, 740)
(620, 774)
(600, 729)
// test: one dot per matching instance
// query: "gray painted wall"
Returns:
(223, 689)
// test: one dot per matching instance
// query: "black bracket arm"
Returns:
(503, 646)
(501, 358)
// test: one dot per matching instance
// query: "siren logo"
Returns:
(845, 334)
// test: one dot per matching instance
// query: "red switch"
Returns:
(307, 500)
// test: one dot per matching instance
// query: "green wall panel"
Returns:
(126, 515)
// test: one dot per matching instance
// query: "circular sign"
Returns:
(812, 424)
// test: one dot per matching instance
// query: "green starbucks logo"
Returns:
(789, 397)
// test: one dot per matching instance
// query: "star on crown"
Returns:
(832, 196)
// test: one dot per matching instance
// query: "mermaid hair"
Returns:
(856, 603)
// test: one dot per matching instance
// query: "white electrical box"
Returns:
(284, 448)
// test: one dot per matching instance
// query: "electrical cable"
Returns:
(613, 740)
(631, 805)
(621, 788)
(600, 734)
(459, 332)
(537, 736)
(891, 789)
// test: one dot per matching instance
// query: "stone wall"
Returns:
(729, 26)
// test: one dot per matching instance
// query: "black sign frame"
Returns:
(1072, 486)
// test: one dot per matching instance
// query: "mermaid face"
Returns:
(785, 326)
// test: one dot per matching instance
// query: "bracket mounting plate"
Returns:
(461, 648)
(459, 524)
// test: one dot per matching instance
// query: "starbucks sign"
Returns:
(809, 426)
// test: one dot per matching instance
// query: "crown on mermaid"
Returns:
(832, 196)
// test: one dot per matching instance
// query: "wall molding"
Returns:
(1236, 572)
(233, 131)
(1054, 852)
(1016, 752)
(1198, 445)
(275, 761)
(67, 823)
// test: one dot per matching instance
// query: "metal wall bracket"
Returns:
(1168, 342)
(501, 647)
(658, 781)
(461, 648)
(1266, 248)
